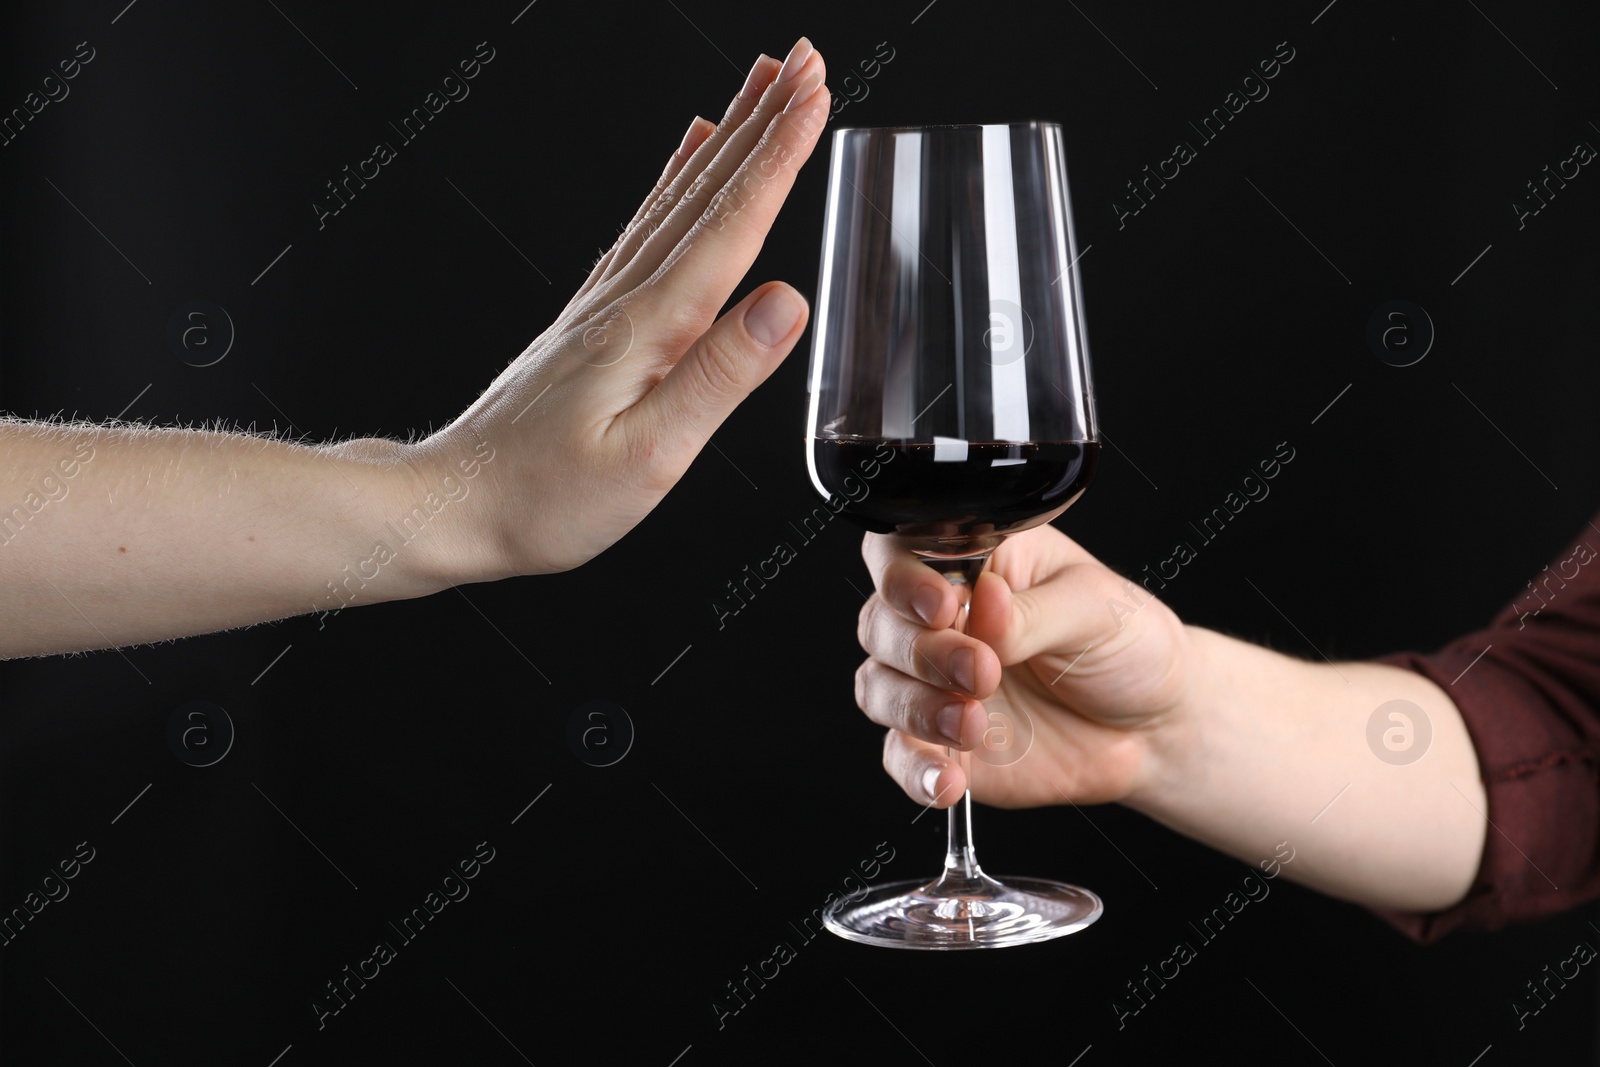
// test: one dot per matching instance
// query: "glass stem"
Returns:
(961, 870)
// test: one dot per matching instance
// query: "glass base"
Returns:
(985, 914)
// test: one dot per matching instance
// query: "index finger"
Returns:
(912, 588)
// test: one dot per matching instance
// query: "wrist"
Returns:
(418, 503)
(1177, 741)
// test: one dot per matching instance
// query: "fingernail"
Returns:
(773, 316)
(964, 669)
(807, 90)
(754, 78)
(693, 137)
(949, 721)
(796, 59)
(925, 602)
(930, 783)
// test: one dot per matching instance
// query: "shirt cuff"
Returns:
(1539, 773)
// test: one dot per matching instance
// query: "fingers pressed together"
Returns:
(688, 247)
(924, 680)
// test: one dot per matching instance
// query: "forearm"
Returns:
(119, 536)
(1271, 749)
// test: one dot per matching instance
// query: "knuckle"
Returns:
(668, 326)
(1106, 591)
(919, 661)
(697, 191)
(728, 202)
(865, 622)
(741, 191)
(1027, 609)
(661, 206)
(718, 364)
(682, 323)
(898, 584)
(907, 712)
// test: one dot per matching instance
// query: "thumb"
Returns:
(1081, 606)
(726, 362)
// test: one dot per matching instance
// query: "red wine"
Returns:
(956, 503)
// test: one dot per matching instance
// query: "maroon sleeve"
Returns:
(1528, 687)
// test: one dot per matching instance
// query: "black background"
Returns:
(618, 906)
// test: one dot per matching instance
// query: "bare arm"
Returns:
(1272, 748)
(116, 536)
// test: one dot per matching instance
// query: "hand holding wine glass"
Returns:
(1227, 742)
(1098, 666)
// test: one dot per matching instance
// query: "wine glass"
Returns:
(951, 406)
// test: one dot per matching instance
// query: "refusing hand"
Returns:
(590, 426)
